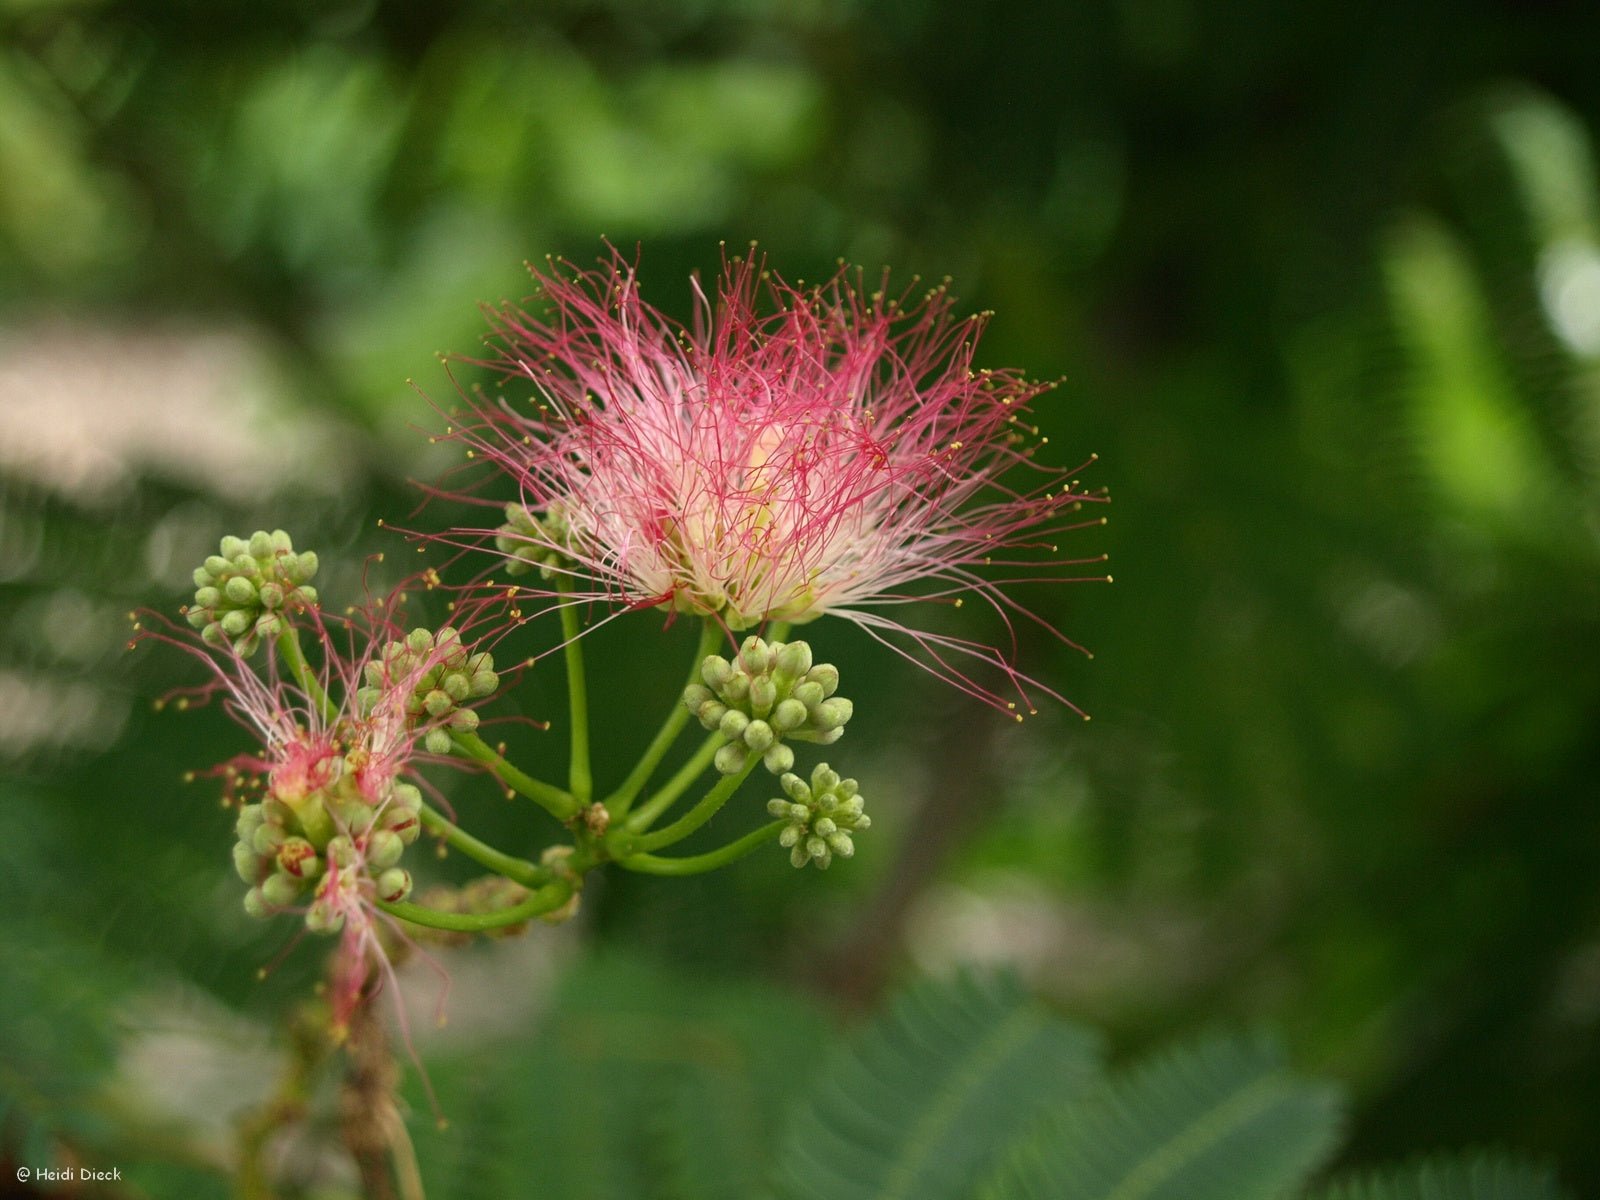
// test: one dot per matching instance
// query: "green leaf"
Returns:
(1486, 1178)
(1218, 1119)
(640, 1085)
(916, 1105)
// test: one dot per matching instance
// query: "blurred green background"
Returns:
(1323, 282)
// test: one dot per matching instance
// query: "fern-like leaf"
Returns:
(1486, 1178)
(916, 1106)
(1218, 1120)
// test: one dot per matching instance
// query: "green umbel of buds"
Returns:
(770, 694)
(286, 849)
(822, 816)
(529, 541)
(437, 675)
(241, 592)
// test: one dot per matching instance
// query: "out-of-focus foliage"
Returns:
(1324, 283)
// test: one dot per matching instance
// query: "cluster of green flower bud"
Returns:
(240, 592)
(482, 896)
(287, 848)
(528, 541)
(441, 675)
(769, 694)
(822, 815)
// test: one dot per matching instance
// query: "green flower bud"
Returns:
(841, 845)
(407, 796)
(403, 823)
(809, 694)
(342, 851)
(464, 720)
(267, 838)
(437, 741)
(790, 714)
(232, 547)
(280, 890)
(826, 675)
(384, 848)
(711, 714)
(482, 683)
(249, 820)
(322, 917)
(695, 695)
(419, 641)
(716, 671)
(208, 597)
(216, 566)
(448, 643)
(791, 835)
(778, 759)
(236, 623)
(394, 884)
(763, 695)
(243, 564)
(306, 566)
(455, 686)
(247, 862)
(281, 542)
(271, 595)
(759, 737)
(778, 807)
(198, 617)
(256, 904)
(437, 703)
(733, 724)
(261, 546)
(831, 714)
(298, 857)
(794, 660)
(731, 758)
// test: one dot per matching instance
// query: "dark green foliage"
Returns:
(640, 1084)
(1298, 265)
(1221, 1119)
(917, 1104)
(1444, 1179)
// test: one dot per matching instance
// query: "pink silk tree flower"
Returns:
(796, 452)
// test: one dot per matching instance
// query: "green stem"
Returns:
(546, 899)
(622, 799)
(697, 816)
(697, 864)
(295, 659)
(579, 781)
(553, 800)
(662, 800)
(519, 869)
(777, 631)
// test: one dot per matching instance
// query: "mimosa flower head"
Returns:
(793, 452)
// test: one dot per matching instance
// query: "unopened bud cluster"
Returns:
(528, 541)
(240, 592)
(327, 842)
(482, 896)
(822, 815)
(438, 674)
(769, 694)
